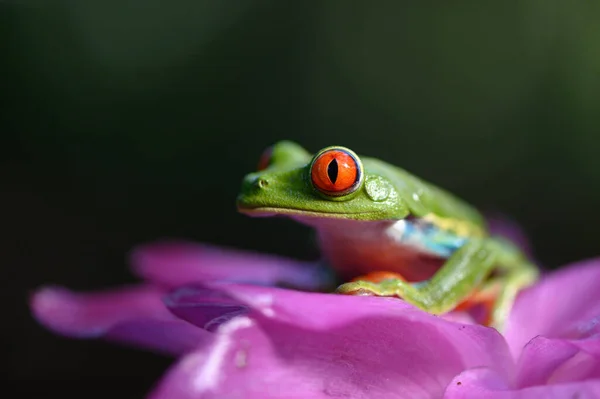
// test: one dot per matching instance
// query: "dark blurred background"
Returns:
(128, 121)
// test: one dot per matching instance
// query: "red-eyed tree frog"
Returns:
(387, 232)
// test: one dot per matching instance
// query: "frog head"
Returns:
(333, 184)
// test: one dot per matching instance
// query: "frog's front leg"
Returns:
(456, 280)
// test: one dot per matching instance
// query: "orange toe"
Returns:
(379, 276)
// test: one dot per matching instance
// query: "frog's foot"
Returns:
(380, 283)
(361, 288)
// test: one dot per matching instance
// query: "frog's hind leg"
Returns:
(516, 273)
(513, 282)
(485, 299)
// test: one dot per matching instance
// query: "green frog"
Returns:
(387, 232)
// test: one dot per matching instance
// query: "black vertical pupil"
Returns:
(332, 170)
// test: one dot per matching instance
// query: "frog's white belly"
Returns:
(410, 248)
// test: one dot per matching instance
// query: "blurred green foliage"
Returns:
(129, 121)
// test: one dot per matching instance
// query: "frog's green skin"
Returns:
(394, 222)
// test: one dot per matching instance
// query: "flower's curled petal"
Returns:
(209, 308)
(214, 309)
(307, 345)
(551, 361)
(564, 304)
(178, 263)
(484, 383)
(135, 315)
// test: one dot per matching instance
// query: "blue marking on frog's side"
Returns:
(426, 237)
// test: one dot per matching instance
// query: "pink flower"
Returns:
(238, 336)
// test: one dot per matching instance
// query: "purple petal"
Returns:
(564, 304)
(214, 309)
(178, 263)
(551, 361)
(486, 384)
(135, 315)
(300, 345)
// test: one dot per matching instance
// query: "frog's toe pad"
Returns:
(363, 288)
(355, 288)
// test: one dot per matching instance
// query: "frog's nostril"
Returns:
(254, 182)
(262, 183)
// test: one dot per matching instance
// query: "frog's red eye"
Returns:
(265, 159)
(335, 172)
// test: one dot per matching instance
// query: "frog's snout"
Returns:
(255, 195)
(253, 188)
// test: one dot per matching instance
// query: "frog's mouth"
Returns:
(259, 212)
(267, 211)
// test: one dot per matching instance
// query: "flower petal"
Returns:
(178, 263)
(551, 361)
(214, 309)
(485, 384)
(135, 315)
(564, 304)
(298, 345)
